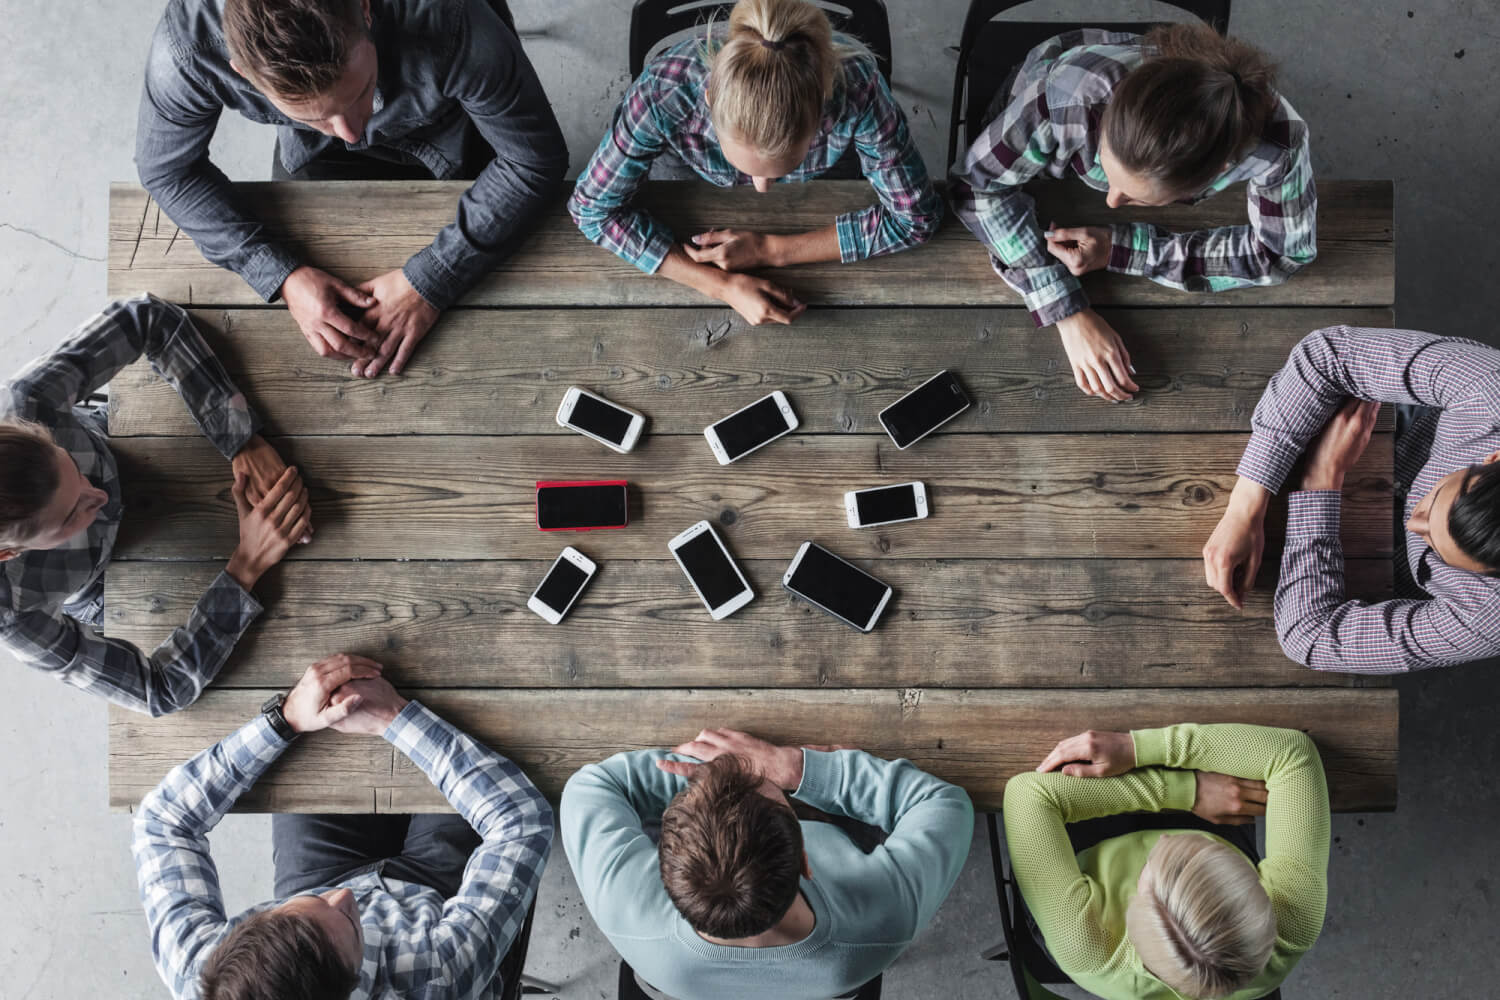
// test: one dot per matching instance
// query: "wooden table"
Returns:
(1056, 587)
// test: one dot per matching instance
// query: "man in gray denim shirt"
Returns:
(356, 88)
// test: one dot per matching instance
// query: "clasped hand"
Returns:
(780, 765)
(343, 692)
(393, 321)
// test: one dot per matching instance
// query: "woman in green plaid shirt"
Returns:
(1176, 115)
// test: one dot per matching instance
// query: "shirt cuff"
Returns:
(1267, 462)
(1056, 301)
(1129, 248)
(260, 739)
(1181, 789)
(410, 727)
(852, 244)
(822, 774)
(1313, 514)
(228, 605)
(432, 279)
(268, 270)
(1150, 747)
(655, 251)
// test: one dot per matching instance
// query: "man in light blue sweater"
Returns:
(740, 898)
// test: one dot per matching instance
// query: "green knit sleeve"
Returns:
(1295, 869)
(1063, 900)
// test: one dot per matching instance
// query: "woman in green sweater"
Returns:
(1163, 914)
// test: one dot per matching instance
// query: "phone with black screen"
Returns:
(582, 506)
(555, 595)
(721, 586)
(611, 424)
(751, 427)
(923, 410)
(886, 505)
(838, 587)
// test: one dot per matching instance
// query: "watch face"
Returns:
(275, 701)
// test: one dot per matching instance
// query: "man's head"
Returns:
(44, 499)
(313, 59)
(1460, 517)
(308, 948)
(731, 851)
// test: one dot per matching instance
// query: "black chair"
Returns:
(1031, 968)
(630, 987)
(988, 50)
(652, 22)
(514, 983)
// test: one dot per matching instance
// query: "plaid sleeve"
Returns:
(171, 677)
(910, 208)
(601, 199)
(1319, 628)
(178, 881)
(116, 337)
(987, 196)
(1280, 240)
(464, 950)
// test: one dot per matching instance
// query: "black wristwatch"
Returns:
(272, 711)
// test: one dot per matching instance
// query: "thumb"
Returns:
(1064, 235)
(681, 768)
(1084, 770)
(352, 295)
(241, 484)
(711, 238)
(341, 710)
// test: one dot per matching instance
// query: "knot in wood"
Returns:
(727, 516)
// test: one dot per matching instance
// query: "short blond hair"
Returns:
(772, 76)
(1204, 925)
(28, 479)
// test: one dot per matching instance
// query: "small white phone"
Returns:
(710, 568)
(751, 427)
(836, 586)
(886, 505)
(554, 596)
(611, 424)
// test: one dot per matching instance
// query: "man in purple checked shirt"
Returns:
(1325, 401)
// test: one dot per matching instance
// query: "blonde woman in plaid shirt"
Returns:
(1176, 115)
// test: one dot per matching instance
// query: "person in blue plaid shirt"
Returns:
(60, 509)
(780, 98)
(368, 906)
(1176, 115)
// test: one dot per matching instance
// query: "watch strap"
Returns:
(273, 713)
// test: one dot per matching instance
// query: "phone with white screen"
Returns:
(838, 587)
(751, 427)
(709, 567)
(923, 410)
(886, 505)
(611, 424)
(554, 596)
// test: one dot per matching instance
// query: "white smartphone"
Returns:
(710, 568)
(840, 588)
(554, 596)
(886, 505)
(751, 427)
(611, 424)
(923, 410)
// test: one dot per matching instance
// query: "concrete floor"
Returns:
(1392, 90)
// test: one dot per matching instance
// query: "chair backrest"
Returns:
(502, 8)
(653, 22)
(982, 68)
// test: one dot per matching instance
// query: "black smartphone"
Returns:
(581, 506)
(923, 410)
(837, 587)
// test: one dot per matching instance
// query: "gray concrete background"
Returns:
(1398, 90)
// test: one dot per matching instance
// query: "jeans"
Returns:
(320, 851)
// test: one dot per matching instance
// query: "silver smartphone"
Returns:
(751, 427)
(838, 587)
(886, 505)
(559, 589)
(923, 410)
(711, 570)
(611, 424)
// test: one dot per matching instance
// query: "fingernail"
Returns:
(1049, 234)
(1132, 369)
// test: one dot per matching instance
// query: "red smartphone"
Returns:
(582, 506)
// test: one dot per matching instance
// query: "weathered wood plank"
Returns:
(974, 738)
(487, 372)
(559, 267)
(967, 623)
(993, 496)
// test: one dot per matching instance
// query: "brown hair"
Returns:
(275, 955)
(1199, 101)
(772, 76)
(294, 48)
(28, 479)
(731, 858)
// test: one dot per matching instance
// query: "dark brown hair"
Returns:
(275, 955)
(28, 479)
(1199, 101)
(294, 48)
(731, 858)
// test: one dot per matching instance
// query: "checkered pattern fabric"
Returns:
(1052, 126)
(665, 110)
(49, 598)
(416, 944)
(1317, 625)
